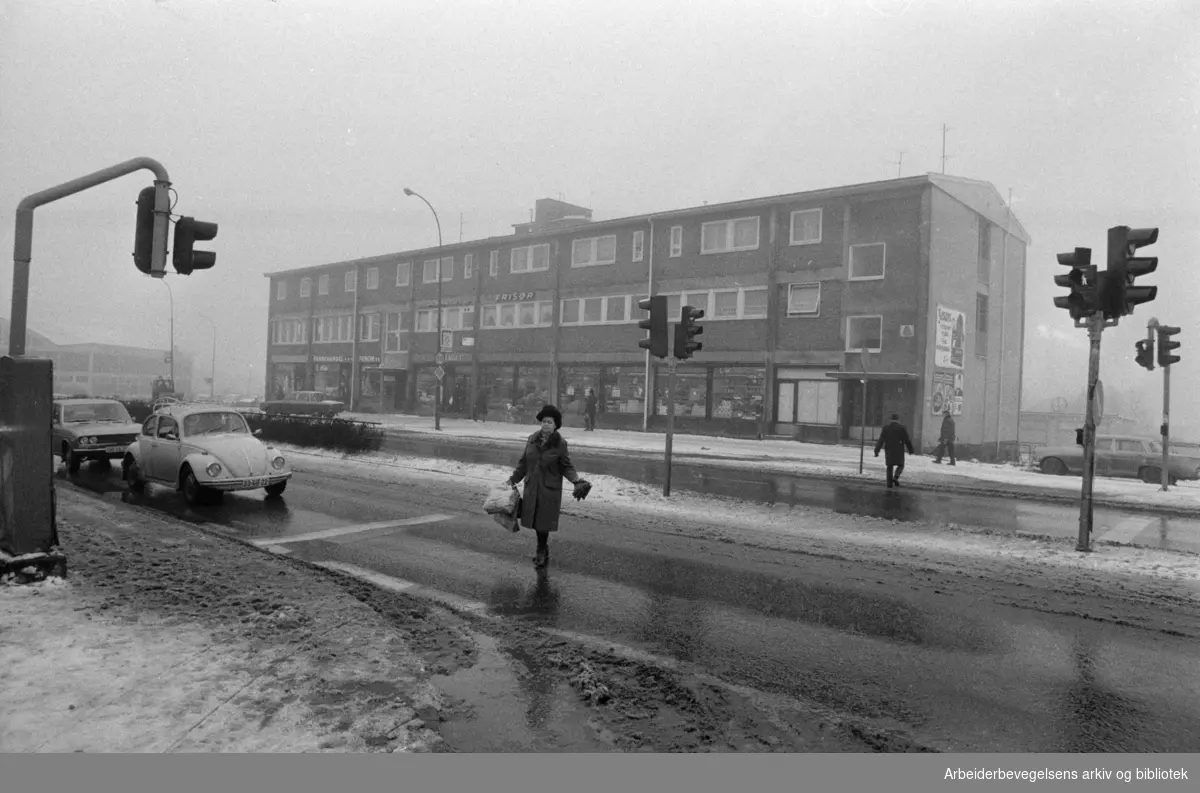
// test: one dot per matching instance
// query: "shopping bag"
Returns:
(507, 521)
(502, 500)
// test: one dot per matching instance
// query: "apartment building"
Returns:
(823, 309)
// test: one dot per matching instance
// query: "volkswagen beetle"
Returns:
(205, 451)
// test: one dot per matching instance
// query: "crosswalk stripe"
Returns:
(343, 530)
(1127, 529)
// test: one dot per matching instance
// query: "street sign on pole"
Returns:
(1099, 401)
(439, 373)
(447, 340)
(439, 359)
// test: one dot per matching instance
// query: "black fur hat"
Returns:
(549, 411)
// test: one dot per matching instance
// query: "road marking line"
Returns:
(343, 530)
(1127, 530)
(279, 549)
(401, 585)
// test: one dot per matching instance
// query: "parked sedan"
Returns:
(304, 403)
(204, 451)
(1121, 456)
(91, 429)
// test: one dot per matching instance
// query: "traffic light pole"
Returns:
(1166, 425)
(1095, 328)
(672, 363)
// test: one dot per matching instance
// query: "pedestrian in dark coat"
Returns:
(481, 404)
(544, 464)
(945, 440)
(894, 440)
(590, 411)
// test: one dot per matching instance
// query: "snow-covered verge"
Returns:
(163, 638)
(808, 458)
(803, 529)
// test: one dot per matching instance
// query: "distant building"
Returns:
(923, 274)
(104, 369)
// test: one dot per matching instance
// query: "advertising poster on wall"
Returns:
(951, 337)
(947, 392)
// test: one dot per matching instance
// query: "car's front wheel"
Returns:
(195, 493)
(131, 472)
(1053, 466)
(276, 490)
(71, 459)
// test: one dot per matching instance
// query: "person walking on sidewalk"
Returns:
(946, 439)
(544, 464)
(893, 439)
(481, 404)
(589, 411)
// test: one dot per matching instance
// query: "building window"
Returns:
(700, 300)
(305, 287)
(530, 258)
(372, 278)
(981, 324)
(487, 316)
(425, 320)
(864, 333)
(593, 309)
(754, 303)
(803, 299)
(546, 313)
(570, 312)
(352, 280)
(676, 241)
(673, 305)
(985, 251)
(867, 261)
(806, 226)
(368, 327)
(429, 274)
(494, 263)
(723, 236)
(527, 315)
(508, 315)
(281, 290)
(403, 273)
(726, 305)
(396, 338)
(469, 266)
(447, 268)
(639, 245)
(614, 309)
(323, 285)
(594, 250)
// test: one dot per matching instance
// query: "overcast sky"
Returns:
(295, 124)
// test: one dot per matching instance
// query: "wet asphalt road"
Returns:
(955, 670)
(917, 506)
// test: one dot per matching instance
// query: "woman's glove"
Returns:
(582, 488)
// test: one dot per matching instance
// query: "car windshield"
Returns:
(95, 411)
(214, 423)
(1181, 449)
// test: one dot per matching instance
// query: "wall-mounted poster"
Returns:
(950, 338)
(947, 392)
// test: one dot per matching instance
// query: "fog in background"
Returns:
(295, 124)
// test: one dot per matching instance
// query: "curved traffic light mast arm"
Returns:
(23, 236)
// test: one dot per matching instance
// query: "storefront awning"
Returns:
(871, 376)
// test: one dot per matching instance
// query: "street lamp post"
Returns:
(212, 380)
(437, 402)
(171, 355)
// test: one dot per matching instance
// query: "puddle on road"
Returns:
(501, 705)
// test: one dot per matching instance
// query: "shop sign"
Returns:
(468, 341)
(288, 359)
(368, 359)
(395, 360)
(331, 358)
(514, 297)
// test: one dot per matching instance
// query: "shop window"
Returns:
(528, 314)
(737, 393)
(624, 389)
(691, 394)
(488, 316)
(508, 315)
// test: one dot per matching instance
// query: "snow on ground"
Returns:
(795, 458)
(753, 523)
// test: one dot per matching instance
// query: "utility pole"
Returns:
(1095, 326)
(672, 363)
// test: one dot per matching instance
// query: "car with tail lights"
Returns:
(303, 403)
(1129, 456)
(90, 428)
(204, 451)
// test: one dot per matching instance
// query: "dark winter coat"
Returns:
(543, 467)
(481, 400)
(893, 439)
(591, 405)
(947, 430)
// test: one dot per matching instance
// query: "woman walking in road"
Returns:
(543, 465)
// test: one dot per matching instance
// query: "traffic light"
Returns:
(1120, 294)
(143, 236)
(189, 231)
(1079, 436)
(686, 330)
(1083, 301)
(1165, 345)
(656, 342)
(1145, 354)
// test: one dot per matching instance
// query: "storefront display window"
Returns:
(333, 379)
(499, 382)
(624, 389)
(533, 386)
(573, 383)
(737, 393)
(691, 394)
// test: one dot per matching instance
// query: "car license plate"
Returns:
(114, 449)
(260, 482)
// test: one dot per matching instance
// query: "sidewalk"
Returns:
(164, 638)
(785, 456)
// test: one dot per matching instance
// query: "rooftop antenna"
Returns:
(460, 226)
(899, 164)
(945, 129)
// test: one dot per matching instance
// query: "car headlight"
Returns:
(213, 469)
(277, 463)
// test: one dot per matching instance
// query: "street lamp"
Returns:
(437, 402)
(212, 380)
(171, 355)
